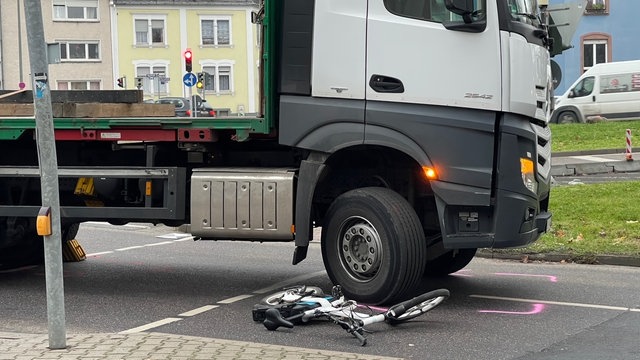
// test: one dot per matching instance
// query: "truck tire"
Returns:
(373, 245)
(449, 262)
(29, 248)
(23, 245)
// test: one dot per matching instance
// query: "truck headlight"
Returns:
(527, 170)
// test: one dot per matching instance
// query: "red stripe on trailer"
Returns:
(117, 135)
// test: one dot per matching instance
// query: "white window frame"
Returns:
(84, 4)
(149, 19)
(593, 43)
(217, 65)
(88, 82)
(66, 43)
(215, 19)
(151, 86)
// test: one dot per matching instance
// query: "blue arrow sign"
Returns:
(189, 79)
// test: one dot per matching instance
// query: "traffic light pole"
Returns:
(46, 145)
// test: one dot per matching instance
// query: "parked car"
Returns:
(183, 106)
(609, 90)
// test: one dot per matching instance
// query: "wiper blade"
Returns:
(530, 16)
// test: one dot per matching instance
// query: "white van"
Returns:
(609, 90)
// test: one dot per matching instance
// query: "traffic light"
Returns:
(139, 82)
(188, 60)
(200, 83)
(121, 82)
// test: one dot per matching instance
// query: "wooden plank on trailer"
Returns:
(95, 110)
(77, 96)
(99, 110)
(16, 109)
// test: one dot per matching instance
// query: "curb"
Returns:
(588, 152)
(618, 260)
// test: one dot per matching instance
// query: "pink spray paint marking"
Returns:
(550, 277)
(462, 273)
(537, 309)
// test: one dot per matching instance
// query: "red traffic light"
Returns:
(188, 58)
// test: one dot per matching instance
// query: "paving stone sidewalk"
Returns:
(152, 346)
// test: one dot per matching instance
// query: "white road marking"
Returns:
(160, 243)
(129, 248)
(189, 237)
(99, 253)
(234, 299)
(174, 236)
(125, 226)
(199, 310)
(593, 306)
(152, 325)
(590, 158)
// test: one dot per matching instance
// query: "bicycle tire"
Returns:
(416, 306)
(276, 298)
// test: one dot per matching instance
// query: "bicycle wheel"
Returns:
(417, 306)
(291, 295)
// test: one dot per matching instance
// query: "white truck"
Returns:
(412, 131)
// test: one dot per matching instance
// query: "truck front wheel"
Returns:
(373, 245)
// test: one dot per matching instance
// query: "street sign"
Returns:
(189, 79)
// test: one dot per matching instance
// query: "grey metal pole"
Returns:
(45, 141)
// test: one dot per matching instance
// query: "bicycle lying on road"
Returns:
(300, 304)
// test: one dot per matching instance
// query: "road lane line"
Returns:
(590, 158)
(99, 253)
(160, 243)
(593, 306)
(199, 310)
(130, 248)
(152, 325)
(290, 282)
(234, 299)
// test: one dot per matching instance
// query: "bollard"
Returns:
(628, 153)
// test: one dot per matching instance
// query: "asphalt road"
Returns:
(145, 278)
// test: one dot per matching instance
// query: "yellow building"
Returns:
(150, 39)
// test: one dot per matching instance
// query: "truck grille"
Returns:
(543, 137)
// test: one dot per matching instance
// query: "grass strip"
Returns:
(596, 136)
(592, 219)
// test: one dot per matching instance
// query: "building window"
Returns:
(149, 31)
(218, 78)
(78, 85)
(154, 79)
(596, 49)
(75, 10)
(215, 31)
(79, 51)
(597, 7)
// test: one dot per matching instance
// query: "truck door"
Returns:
(434, 85)
(413, 58)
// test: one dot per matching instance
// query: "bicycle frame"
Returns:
(338, 308)
(302, 304)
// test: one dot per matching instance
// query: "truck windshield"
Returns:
(525, 11)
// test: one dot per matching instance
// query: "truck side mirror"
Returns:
(572, 94)
(463, 8)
